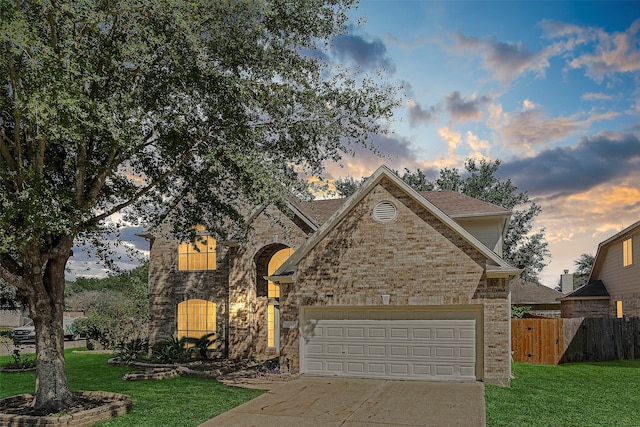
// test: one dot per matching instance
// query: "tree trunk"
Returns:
(46, 303)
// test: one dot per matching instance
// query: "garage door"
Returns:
(396, 349)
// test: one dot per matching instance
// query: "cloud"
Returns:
(419, 115)
(613, 53)
(596, 96)
(476, 147)
(464, 109)
(85, 261)
(595, 160)
(418, 43)
(397, 153)
(369, 55)
(505, 61)
(531, 127)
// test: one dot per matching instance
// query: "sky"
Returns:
(549, 88)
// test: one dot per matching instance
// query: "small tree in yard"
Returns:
(180, 110)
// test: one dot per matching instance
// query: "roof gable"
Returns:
(499, 269)
(604, 246)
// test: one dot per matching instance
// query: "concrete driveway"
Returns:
(325, 401)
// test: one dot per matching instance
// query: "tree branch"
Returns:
(81, 171)
(140, 193)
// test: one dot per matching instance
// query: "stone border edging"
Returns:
(120, 405)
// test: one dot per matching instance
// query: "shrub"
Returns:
(131, 350)
(202, 344)
(18, 360)
(170, 351)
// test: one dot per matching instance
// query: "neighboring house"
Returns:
(543, 300)
(388, 283)
(613, 288)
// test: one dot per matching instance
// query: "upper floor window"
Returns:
(200, 255)
(627, 252)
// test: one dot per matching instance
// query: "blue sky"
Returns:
(551, 88)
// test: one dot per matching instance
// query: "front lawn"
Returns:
(573, 394)
(180, 401)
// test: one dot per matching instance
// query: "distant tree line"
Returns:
(116, 307)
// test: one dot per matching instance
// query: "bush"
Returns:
(170, 351)
(202, 344)
(117, 308)
(18, 360)
(131, 350)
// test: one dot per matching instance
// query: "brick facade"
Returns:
(585, 308)
(417, 259)
(232, 286)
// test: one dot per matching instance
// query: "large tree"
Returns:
(583, 265)
(179, 110)
(523, 247)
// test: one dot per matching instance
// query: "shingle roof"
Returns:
(534, 293)
(452, 203)
(593, 289)
(496, 266)
(456, 204)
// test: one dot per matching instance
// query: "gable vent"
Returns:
(384, 212)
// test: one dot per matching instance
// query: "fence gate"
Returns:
(537, 341)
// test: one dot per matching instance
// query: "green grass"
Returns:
(179, 402)
(573, 394)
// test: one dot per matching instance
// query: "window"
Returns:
(619, 309)
(627, 252)
(200, 255)
(196, 317)
(273, 291)
(272, 321)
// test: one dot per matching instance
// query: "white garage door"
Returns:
(396, 349)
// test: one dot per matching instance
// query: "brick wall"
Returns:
(416, 259)
(240, 314)
(585, 308)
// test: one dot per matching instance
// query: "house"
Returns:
(388, 283)
(542, 300)
(613, 288)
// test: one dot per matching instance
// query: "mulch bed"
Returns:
(89, 408)
(21, 405)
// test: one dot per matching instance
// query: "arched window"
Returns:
(200, 255)
(196, 317)
(273, 291)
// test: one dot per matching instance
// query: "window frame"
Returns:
(210, 318)
(205, 248)
(619, 310)
(627, 252)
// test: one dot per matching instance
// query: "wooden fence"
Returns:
(553, 341)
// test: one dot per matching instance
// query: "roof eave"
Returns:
(584, 298)
(286, 278)
(503, 273)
